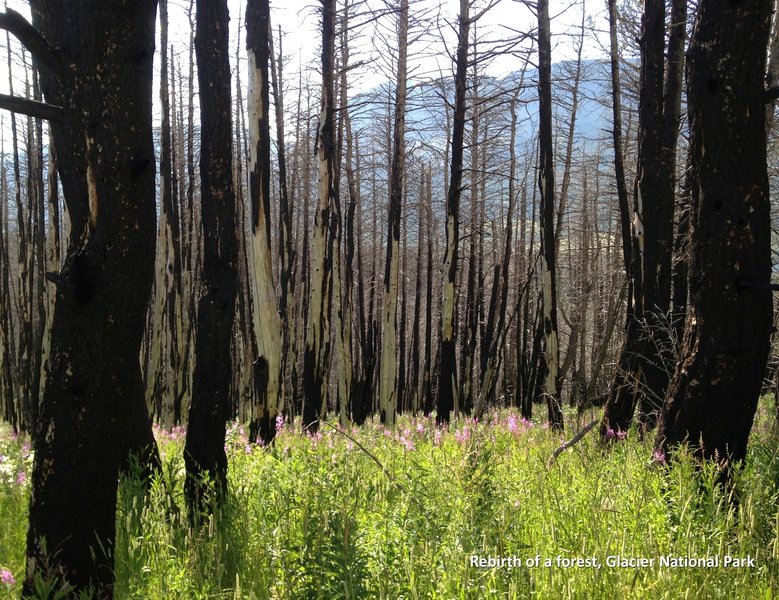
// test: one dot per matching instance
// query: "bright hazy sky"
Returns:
(299, 21)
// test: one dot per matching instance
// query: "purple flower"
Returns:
(437, 437)
(25, 449)
(21, 478)
(279, 422)
(7, 578)
(463, 435)
(659, 456)
(409, 445)
(513, 425)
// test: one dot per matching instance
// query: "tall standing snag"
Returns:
(713, 396)
(388, 383)
(447, 382)
(546, 187)
(265, 316)
(317, 351)
(96, 64)
(204, 453)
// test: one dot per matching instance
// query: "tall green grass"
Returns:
(369, 513)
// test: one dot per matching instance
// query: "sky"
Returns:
(299, 21)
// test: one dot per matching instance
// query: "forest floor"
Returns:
(473, 511)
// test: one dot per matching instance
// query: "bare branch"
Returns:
(46, 54)
(32, 108)
(565, 445)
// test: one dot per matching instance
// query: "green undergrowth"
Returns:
(370, 513)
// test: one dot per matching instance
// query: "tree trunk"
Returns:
(266, 321)
(546, 188)
(713, 396)
(316, 357)
(388, 384)
(93, 408)
(447, 382)
(204, 454)
(638, 365)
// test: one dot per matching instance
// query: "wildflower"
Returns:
(21, 478)
(25, 449)
(408, 444)
(463, 435)
(2, 458)
(437, 437)
(420, 428)
(659, 456)
(610, 435)
(248, 448)
(279, 422)
(513, 426)
(7, 578)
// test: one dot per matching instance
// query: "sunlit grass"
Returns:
(399, 514)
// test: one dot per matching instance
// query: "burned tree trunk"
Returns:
(713, 396)
(546, 187)
(266, 320)
(204, 453)
(447, 378)
(639, 366)
(388, 383)
(316, 356)
(93, 410)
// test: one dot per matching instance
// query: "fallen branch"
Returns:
(565, 445)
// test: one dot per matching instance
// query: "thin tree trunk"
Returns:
(447, 382)
(266, 321)
(388, 384)
(316, 359)
(546, 188)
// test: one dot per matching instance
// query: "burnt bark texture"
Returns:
(640, 370)
(546, 187)
(316, 356)
(712, 398)
(204, 454)
(93, 411)
(447, 381)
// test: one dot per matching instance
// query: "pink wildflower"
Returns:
(437, 437)
(659, 456)
(7, 578)
(409, 445)
(463, 435)
(513, 426)
(279, 422)
(21, 478)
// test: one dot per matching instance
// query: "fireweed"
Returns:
(376, 512)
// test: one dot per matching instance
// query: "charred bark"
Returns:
(713, 396)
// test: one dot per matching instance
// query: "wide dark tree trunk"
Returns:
(713, 396)
(204, 452)
(93, 409)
